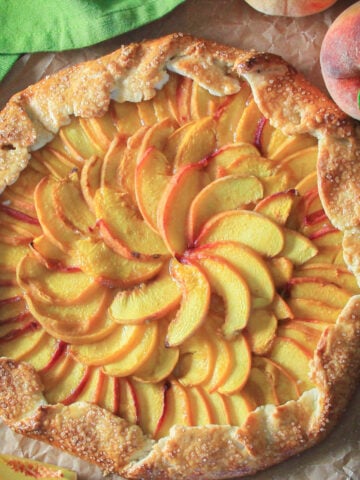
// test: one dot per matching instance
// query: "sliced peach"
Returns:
(58, 164)
(138, 355)
(281, 269)
(59, 366)
(150, 300)
(90, 180)
(201, 412)
(331, 273)
(316, 289)
(174, 205)
(260, 388)
(227, 193)
(261, 330)
(99, 261)
(223, 363)
(307, 308)
(301, 332)
(77, 141)
(196, 360)
(100, 130)
(239, 374)
(68, 385)
(183, 99)
(10, 255)
(23, 343)
(177, 410)
(54, 286)
(247, 126)
(151, 404)
(111, 389)
(248, 263)
(247, 227)
(146, 112)
(239, 405)
(26, 183)
(175, 139)
(50, 255)
(225, 157)
(123, 230)
(227, 282)
(54, 228)
(302, 163)
(294, 358)
(202, 103)
(277, 206)
(126, 401)
(162, 363)
(40, 356)
(195, 290)
(281, 309)
(229, 115)
(126, 118)
(219, 408)
(91, 391)
(162, 106)
(19, 221)
(111, 162)
(284, 385)
(197, 144)
(118, 343)
(156, 136)
(298, 248)
(292, 145)
(308, 183)
(327, 237)
(151, 179)
(276, 182)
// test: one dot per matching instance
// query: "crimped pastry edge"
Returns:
(133, 73)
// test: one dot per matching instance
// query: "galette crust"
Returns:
(270, 434)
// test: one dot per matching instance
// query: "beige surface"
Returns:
(232, 22)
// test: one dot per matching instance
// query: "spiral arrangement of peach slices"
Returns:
(170, 261)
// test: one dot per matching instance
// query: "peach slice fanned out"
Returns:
(321, 291)
(54, 286)
(227, 193)
(174, 205)
(298, 248)
(194, 305)
(99, 261)
(261, 329)
(247, 227)
(110, 164)
(248, 263)
(123, 230)
(90, 180)
(241, 355)
(227, 282)
(150, 300)
(277, 206)
(151, 179)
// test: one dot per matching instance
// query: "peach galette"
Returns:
(178, 231)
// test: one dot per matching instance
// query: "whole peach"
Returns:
(290, 8)
(340, 60)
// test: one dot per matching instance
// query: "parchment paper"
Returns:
(231, 22)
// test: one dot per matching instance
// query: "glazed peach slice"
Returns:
(227, 193)
(290, 146)
(220, 410)
(151, 179)
(69, 385)
(198, 142)
(241, 355)
(20, 223)
(146, 301)
(260, 388)
(100, 130)
(309, 309)
(125, 117)
(156, 136)
(90, 180)
(55, 229)
(277, 206)
(162, 363)
(202, 103)
(331, 273)
(56, 162)
(101, 262)
(177, 409)
(201, 411)
(247, 128)
(174, 205)
(319, 290)
(229, 284)
(196, 360)
(69, 321)
(78, 142)
(50, 255)
(302, 332)
(123, 230)
(302, 163)
(284, 386)
(229, 114)
(248, 263)
(141, 352)
(22, 341)
(120, 340)
(298, 248)
(281, 269)
(195, 301)
(294, 358)
(261, 330)
(43, 353)
(54, 286)
(220, 161)
(110, 164)
(239, 406)
(247, 227)
(150, 398)
(10, 255)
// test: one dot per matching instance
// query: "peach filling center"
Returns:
(170, 261)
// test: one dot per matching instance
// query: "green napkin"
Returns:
(55, 25)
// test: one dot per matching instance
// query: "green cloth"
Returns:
(54, 25)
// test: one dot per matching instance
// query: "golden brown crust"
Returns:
(270, 434)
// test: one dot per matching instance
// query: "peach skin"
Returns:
(290, 8)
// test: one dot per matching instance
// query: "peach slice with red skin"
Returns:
(78, 142)
(310, 309)
(250, 228)
(319, 290)
(90, 178)
(111, 162)
(247, 262)
(229, 284)
(227, 193)
(10, 256)
(123, 230)
(151, 300)
(277, 206)
(200, 406)
(332, 273)
(174, 205)
(51, 256)
(195, 301)
(150, 399)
